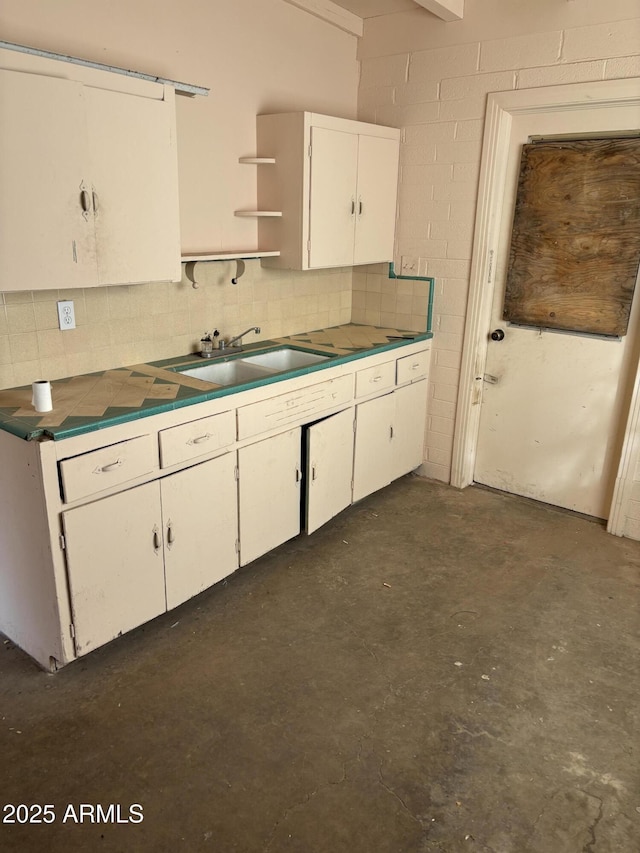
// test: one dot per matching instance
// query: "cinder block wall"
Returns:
(431, 79)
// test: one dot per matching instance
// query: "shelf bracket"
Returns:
(190, 272)
(240, 267)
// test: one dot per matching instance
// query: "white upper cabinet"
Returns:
(47, 236)
(89, 184)
(336, 183)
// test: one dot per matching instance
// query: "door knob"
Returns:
(497, 335)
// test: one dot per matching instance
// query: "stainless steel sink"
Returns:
(227, 372)
(250, 367)
(284, 359)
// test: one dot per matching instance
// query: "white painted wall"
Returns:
(431, 79)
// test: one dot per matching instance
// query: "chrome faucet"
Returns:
(232, 343)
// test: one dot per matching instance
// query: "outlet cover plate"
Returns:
(66, 315)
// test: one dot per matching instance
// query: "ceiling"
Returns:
(373, 8)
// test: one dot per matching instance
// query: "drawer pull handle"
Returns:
(298, 475)
(112, 466)
(376, 378)
(156, 539)
(200, 439)
(313, 472)
(391, 432)
(170, 537)
(415, 366)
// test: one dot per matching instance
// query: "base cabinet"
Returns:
(269, 477)
(141, 552)
(329, 468)
(200, 515)
(114, 565)
(389, 438)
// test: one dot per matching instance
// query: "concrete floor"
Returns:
(435, 670)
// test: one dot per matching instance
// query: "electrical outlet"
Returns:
(66, 315)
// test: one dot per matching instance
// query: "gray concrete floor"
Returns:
(435, 670)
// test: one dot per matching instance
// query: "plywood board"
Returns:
(575, 245)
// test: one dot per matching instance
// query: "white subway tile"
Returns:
(463, 211)
(555, 75)
(430, 248)
(441, 268)
(520, 51)
(460, 250)
(455, 192)
(456, 88)
(440, 457)
(427, 174)
(446, 393)
(618, 38)
(443, 62)
(419, 210)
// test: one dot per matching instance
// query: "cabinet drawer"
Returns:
(374, 379)
(412, 367)
(196, 438)
(295, 407)
(110, 466)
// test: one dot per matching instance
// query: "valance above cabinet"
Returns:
(89, 184)
(335, 182)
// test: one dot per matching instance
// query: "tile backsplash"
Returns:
(382, 301)
(127, 324)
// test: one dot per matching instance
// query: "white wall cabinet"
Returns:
(336, 182)
(102, 531)
(89, 184)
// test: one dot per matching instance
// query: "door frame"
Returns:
(502, 107)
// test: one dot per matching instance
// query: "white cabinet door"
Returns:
(376, 199)
(332, 218)
(46, 237)
(329, 468)
(115, 565)
(200, 519)
(408, 428)
(374, 434)
(269, 493)
(134, 175)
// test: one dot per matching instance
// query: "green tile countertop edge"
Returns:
(23, 427)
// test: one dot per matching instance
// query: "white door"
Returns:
(46, 234)
(372, 464)
(329, 468)
(553, 404)
(269, 493)
(135, 177)
(332, 213)
(115, 565)
(376, 199)
(200, 518)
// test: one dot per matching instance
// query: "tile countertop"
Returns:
(94, 401)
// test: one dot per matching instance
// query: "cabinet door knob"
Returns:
(497, 335)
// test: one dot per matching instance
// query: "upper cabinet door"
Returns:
(46, 222)
(135, 186)
(376, 199)
(332, 218)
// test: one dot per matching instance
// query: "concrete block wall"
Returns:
(415, 76)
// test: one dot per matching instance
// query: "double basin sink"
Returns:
(250, 368)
